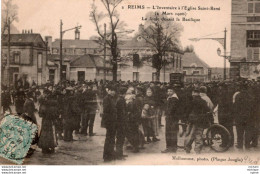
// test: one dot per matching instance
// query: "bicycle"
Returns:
(214, 137)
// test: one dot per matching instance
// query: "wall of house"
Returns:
(240, 24)
(200, 75)
(28, 63)
(90, 73)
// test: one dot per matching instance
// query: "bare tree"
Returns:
(115, 28)
(9, 11)
(162, 34)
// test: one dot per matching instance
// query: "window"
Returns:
(39, 62)
(256, 54)
(184, 72)
(17, 56)
(253, 38)
(51, 75)
(135, 76)
(196, 72)
(257, 7)
(253, 7)
(253, 19)
(250, 7)
(154, 76)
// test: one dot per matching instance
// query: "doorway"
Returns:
(81, 76)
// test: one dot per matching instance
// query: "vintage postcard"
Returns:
(130, 82)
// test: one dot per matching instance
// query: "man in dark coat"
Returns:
(120, 123)
(91, 108)
(225, 116)
(109, 118)
(172, 119)
(84, 108)
(19, 101)
(244, 117)
(70, 110)
(6, 100)
(29, 107)
(198, 120)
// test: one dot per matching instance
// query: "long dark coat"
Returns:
(48, 113)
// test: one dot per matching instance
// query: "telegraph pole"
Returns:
(61, 50)
(225, 52)
(105, 49)
(8, 55)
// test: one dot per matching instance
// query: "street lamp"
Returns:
(225, 57)
(61, 35)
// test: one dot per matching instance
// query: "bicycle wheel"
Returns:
(218, 138)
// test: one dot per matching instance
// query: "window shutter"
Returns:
(257, 7)
(250, 7)
(249, 54)
(256, 54)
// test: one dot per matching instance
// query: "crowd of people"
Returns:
(133, 111)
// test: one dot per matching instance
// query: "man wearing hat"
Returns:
(197, 122)
(172, 119)
(109, 118)
(244, 116)
(91, 108)
(29, 107)
(121, 123)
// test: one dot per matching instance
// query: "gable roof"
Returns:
(93, 44)
(70, 43)
(191, 58)
(83, 61)
(24, 39)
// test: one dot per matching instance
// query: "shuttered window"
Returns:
(250, 7)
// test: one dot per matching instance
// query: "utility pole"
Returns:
(61, 35)
(8, 55)
(105, 49)
(225, 51)
(61, 50)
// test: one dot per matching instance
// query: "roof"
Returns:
(24, 39)
(53, 57)
(82, 61)
(190, 59)
(93, 44)
(70, 43)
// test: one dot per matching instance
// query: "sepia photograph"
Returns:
(130, 82)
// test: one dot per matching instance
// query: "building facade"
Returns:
(195, 69)
(28, 58)
(217, 74)
(126, 70)
(245, 39)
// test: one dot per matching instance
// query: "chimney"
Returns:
(77, 34)
(31, 31)
(22, 31)
(48, 39)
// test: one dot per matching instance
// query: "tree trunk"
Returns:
(158, 75)
(115, 72)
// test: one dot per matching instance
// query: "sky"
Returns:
(43, 16)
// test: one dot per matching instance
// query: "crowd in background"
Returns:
(134, 110)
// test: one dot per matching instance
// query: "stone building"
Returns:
(195, 69)
(245, 39)
(28, 54)
(126, 71)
